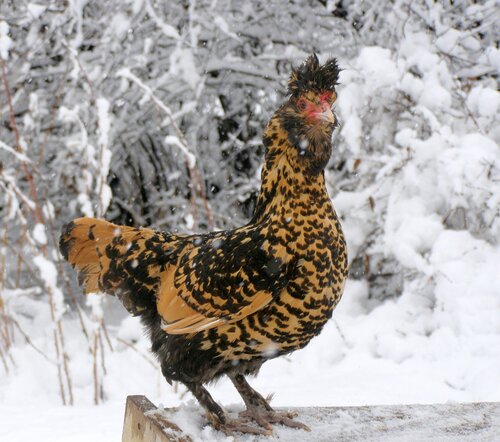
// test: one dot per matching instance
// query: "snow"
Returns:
(104, 126)
(75, 424)
(484, 101)
(5, 40)
(48, 273)
(94, 301)
(378, 66)
(168, 30)
(120, 24)
(183, 66)
(224, 27)
(39, 234)
(471, 422)
(401, 352)
(422, 143)
(448, 40)
(20, 156)
(172, 140)
(389, 423)
(36, 10)
(189, 220)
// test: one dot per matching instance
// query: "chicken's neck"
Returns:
(284, 185)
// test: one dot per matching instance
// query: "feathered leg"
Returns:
(252, 398)
(259, 409)
(216, 415)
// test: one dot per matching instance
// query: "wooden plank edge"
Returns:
(143, 422)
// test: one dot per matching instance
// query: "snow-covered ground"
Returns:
(401, 352)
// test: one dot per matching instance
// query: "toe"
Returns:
(266, 418)
(257, 417)
(289, 422)
(240, 426)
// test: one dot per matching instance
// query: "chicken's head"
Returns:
(312, 90)
(307, 117)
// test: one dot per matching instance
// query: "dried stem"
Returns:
(58, 335)
(4, 331)
(59, 263)
(101, 344)
(4, 361)
(196, 184)
(106, 335)
(65, 362)
(22, 238)
(28, 339)
(18, 147)
(134, 348)
(59, 370)
(96, 380)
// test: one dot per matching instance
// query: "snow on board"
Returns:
(442, 422)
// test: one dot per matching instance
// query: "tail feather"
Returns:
(83, 243)
(113, 259)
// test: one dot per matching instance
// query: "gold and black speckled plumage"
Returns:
(225, 302)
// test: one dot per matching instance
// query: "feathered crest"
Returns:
(311, 76)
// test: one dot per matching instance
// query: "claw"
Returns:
(265, 418)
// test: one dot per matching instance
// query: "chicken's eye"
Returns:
(302, 105)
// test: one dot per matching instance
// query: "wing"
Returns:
(194, 282)
(225, 278)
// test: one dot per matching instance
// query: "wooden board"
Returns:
(143, 424)
(453, 422)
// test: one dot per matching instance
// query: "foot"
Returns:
(231, 426)
(267, 417)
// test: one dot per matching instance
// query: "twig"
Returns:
(103, 365)
(59, 370)
(20, 258)
(29, 177)
(68, 287)
(340, 331)
(134, 348)
(4, 361)
(53, 109)
(28, 340)
(94, 371)
(181, 143)
(5, 329)
(106, 335)
(62, 357)
(65, 362)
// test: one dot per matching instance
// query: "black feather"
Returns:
(311, 76)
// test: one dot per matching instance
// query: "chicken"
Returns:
(223, 303)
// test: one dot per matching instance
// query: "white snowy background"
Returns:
(415, 176)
